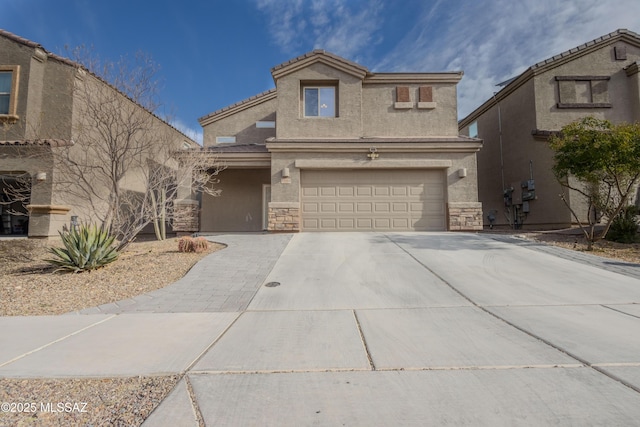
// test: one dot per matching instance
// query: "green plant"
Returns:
(189, 244)
(624, 227)
(86, 247)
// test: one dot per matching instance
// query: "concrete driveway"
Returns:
(367, 329)
(428, 329)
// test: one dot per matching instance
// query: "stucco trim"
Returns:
(444, 145)
(632, 69)
(284, 205)
(374, 164)
(323, 57)
(244, 160)
(48, 209)
(237, 107)
(415, 78)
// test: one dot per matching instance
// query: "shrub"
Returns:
(86, 247)
(624, 228)
(189, 244)
(200, 244)
(185, 244)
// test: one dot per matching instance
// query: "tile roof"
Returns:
(548, 63)
(237, 148)
(237, 105)
(619, 32)
(319, 52)
(39, 142)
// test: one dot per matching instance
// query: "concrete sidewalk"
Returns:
(369, 328)
(225, 280)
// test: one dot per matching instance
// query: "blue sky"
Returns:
(215, 53)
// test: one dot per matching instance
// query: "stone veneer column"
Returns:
(465, 216)
(284, 216)
(186, 216)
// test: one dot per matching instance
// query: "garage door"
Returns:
(400, 200)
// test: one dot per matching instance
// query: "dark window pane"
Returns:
(311, 102)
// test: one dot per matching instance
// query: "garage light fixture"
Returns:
(285, 173)
(373, 153)
(462, 172)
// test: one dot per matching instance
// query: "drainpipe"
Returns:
(500, 140)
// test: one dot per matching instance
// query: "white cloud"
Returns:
(491, 41)
(494, 41)
(346, 28)
(195, 134)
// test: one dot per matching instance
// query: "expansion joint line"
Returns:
(364, 341)
(531, 334)
(194, 402)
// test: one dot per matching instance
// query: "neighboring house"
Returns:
(42, 111)
(336, 147)
(515, 180)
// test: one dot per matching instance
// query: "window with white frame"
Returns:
(319, 101)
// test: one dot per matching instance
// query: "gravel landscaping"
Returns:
(82, 402)
(29, 286)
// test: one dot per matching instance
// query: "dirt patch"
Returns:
(573, 240)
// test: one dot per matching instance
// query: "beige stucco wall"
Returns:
(600, 62)
(507, 161)
(634, 89)
(380, 117)
(533, 105)
(458, 189)
(291, 120)
(49, 107)
(242, 125)
(239, 206)
(44, 106)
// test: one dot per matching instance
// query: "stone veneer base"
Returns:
(465, 216)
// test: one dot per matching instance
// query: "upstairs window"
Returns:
(473, 130)
(319, 101)
(583, 92)
(8, 90)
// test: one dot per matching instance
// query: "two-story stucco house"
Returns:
(515, 180)
(335, 147)
(43, 105)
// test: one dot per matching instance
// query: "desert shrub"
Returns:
(624, 228)
(86, 247)
(190, 244)
(185, 244)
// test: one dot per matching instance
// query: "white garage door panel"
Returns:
(373, 200)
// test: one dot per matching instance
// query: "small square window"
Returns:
(319, 101)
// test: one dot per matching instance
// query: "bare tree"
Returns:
(123, 165)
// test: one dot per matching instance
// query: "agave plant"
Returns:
(86, 247)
